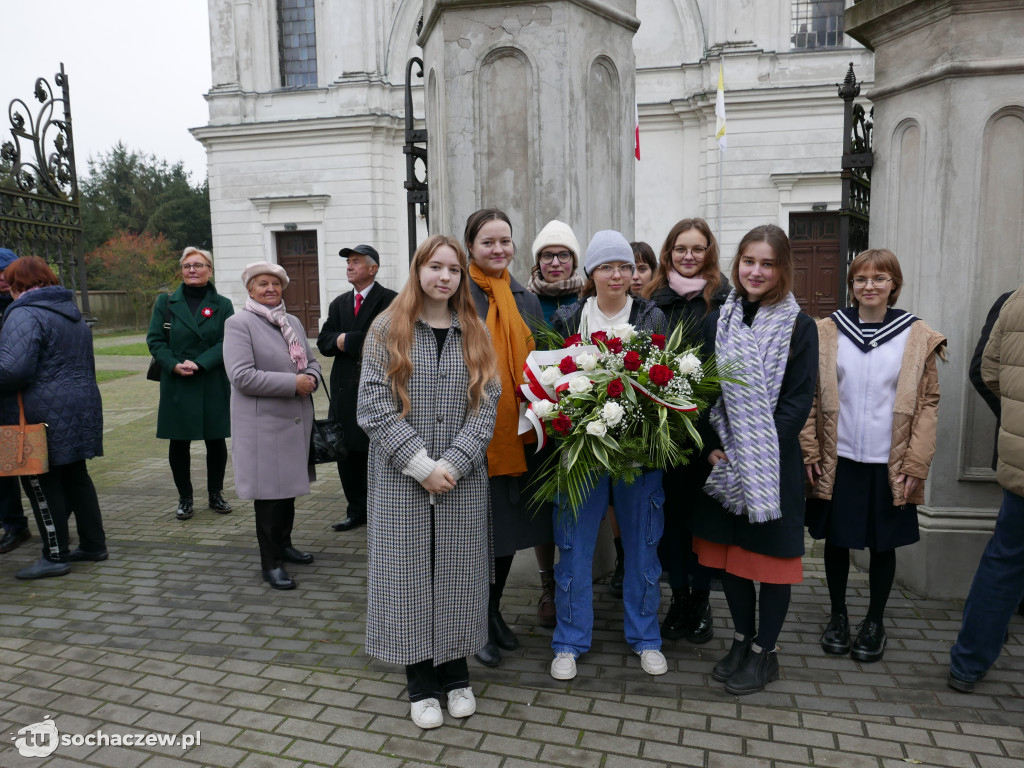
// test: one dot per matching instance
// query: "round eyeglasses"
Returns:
(698, 251)
(607, 270)
(564, 257)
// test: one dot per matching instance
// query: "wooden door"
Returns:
(814, 239)
(296, 252)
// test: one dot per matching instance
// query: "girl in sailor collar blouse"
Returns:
(869, 441)
(427, 401)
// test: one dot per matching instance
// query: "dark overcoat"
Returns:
(519, 523)
(341, 318)
(270, 424)
(691, 313)
(191, 407)
(423, 601)
(783, 537)
(46, 353)
(643, 315)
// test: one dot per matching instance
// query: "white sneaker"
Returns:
(461, 702)
(563, 667)
(653, 662)
(426, 713)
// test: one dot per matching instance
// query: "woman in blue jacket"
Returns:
(46, 355)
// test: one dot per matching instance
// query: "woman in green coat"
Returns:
(186, 336)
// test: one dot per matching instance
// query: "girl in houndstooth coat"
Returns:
(427, 401)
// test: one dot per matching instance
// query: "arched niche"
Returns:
(604, 136)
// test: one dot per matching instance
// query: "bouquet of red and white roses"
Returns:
(623, 403)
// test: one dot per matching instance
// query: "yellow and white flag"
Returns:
(720, 111)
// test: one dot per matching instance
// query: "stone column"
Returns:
(530, 108)
(948, 198)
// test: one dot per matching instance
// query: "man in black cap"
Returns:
(348, 319)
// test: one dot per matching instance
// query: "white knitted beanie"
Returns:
(607, 246)
(557, 233)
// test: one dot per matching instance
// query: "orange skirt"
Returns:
(749, 565)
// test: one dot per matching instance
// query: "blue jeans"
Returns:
(639, 510)
(996, 592)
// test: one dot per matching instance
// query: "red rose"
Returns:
(599, 336)
(562, 424)
(574, 339)
(615, 387)
(614, 345)
(632, 361)
(568, 365)
(658, 340)
(661, 375)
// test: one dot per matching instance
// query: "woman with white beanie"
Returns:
(554, 277)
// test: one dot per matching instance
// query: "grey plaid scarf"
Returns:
(748, 482)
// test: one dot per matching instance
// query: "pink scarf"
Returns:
(279, 317)
(687, 287)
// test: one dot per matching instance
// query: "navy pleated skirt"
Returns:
(861, 513)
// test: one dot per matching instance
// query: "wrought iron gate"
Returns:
(417, 192)
(858, 160)
(40, 212)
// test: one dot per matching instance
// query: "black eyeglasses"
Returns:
(563, 256)
(197, 267)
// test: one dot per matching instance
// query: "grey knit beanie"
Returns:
(607, 246)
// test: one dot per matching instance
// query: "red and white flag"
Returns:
(636, 130)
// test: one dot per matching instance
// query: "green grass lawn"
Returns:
(102, 376)
(138, 349)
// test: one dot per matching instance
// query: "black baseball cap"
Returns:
(362, 250)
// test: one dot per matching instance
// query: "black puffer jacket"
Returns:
(643, 316)
(690, 312)
(46, 353)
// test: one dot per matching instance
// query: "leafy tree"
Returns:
(127, 191)
(141, 264)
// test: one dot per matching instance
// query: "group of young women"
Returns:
(842, 412)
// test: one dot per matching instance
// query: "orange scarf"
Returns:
(513, 341)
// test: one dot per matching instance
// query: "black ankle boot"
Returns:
(615, 585)
(498, 630)
(699, 626)
(737, 654)
(756, 671)
(489, 655)
(674, 625)
(836, 637)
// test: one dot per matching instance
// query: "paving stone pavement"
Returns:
(176, 634)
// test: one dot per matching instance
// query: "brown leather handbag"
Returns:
(23, 447)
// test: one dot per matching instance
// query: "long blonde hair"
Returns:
(477, 351)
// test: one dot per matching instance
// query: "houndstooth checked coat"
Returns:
(416, 610)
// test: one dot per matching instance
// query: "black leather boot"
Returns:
(489, 655)
(278, 578)
(756, 671)
(184, 511)
(498, 630)
(836, 637)
(217, 503)
(619, 575)
(699, 626)
(674, 625)
(869, 644)
(738, 652)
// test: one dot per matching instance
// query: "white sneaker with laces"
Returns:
(563, 666)
(461, 702)
(426, 713)
(653, 662)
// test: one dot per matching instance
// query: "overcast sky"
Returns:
(138, 70)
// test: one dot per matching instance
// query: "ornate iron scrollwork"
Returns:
(415, 178)
(857, 161)
(40, 212)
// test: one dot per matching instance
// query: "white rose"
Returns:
(624, 332)
(579, 385)
(597, 429)
(587, 361)
(688, 364)
(550, 375)
(543, 408)
(612, 413)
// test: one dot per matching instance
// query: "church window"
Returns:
(296, 42)
(817, 24)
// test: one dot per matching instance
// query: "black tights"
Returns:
(881, 575)
(502, 566)
(743, 598)
(180, 459)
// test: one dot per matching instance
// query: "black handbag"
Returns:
(326, 441)
(154, 370)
